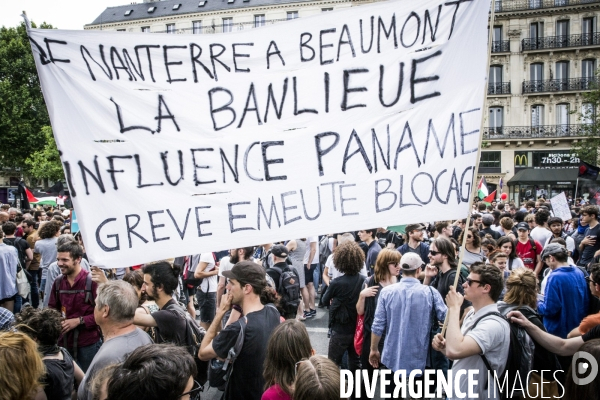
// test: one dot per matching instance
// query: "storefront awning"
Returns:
(560, 176)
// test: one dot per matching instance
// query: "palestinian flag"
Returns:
(30, 197)
(482, 189)
(488, 200)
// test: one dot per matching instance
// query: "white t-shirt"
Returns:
(540, 234)
(569, 240)
(209, 284)
(333, 272)
(309, 240)
(224, 265)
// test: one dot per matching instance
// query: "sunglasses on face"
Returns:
(434, 253)
(469, 236)
(471, 281)
(195, 392)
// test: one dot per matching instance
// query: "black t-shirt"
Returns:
(247, 382)
(344, 291)
(587, 255)
(391, 237)
(489, 231)
(444, 280)
(170, 326)
(59, 379)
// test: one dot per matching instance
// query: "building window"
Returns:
(259, 20)
(562, 114)
(326, 9)
(587, 31)
(537, 115)
(197, 27)
(120, 30)
(588, 113)
(292, 14)
(562, 33)
(146, 29)
(495, 121)
(490, 159)
(227, 24)
(536, 72)
(536, 30)
(562, 75)
(170, 28)
(588, 68)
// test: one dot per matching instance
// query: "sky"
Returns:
(62, 14)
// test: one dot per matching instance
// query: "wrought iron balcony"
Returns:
(539, 132)
(556, 42)
(519, 5)
(560, 85)
(499, 88)
(499, 46)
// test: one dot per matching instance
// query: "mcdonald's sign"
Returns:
(521, 159)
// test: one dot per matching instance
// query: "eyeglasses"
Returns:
(471, 281)
(195, 392)
(587, 278)
(434, 253)
(394, 264)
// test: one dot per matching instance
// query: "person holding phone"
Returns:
(589, 245)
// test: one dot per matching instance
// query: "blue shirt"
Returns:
(566, 301)
(422, 250)
(403, 312)
(9, 259)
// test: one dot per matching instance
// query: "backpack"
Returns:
(519, 361)
(219, 371)
(324, 251)
(89, 298)
(193, 338)
(289, 289)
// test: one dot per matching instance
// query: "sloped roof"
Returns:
(165, 8)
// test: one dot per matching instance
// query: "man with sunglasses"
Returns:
(489, 338)
(565, 302)
(246, 282)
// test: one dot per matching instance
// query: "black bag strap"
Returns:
(483, 357)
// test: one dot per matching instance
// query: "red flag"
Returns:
(30, 196)
(490, 198)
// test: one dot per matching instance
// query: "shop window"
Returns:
(490, 162)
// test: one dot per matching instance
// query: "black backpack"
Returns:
(324, 251)
(519, 361)
(289, 289)
(89, 298)
(193, 338)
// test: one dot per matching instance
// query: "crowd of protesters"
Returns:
(162, 330)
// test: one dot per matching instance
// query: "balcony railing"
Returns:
(539, 132)
(519, 5)
(560, 85)
(556, 42)
(499, 88)
(499, 46)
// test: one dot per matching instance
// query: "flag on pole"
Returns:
(588, 171)
(501, 184)
(482, 189)
(30, 197)
(488, 199)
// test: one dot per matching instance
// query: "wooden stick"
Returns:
(474, 186)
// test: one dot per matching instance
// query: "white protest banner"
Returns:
(560, 206)
(179, 144)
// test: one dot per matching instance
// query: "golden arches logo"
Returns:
(521, 160)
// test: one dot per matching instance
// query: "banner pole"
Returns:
(474, 186)
(575, 195)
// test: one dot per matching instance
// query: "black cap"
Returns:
(248, 272)
(523, 225)
(280, 251)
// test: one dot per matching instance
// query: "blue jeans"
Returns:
(86, 354)
(18, 304)
(35, 291)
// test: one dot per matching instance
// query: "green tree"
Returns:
(23, 112)
(45, 163)
(587, 148)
